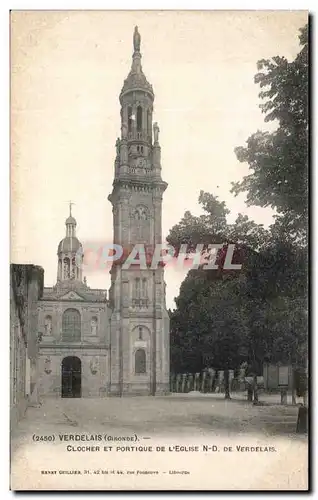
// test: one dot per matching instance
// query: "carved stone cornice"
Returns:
(73, 346)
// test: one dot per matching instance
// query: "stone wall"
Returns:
(26, 287)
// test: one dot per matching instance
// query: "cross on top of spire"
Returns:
(70, 220)
(70, 204)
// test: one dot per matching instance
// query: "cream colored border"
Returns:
(4, 137)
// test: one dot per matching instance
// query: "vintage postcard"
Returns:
(159, 212)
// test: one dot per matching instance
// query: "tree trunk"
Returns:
(293, 387)
(214, 379)
(255, 391)
(227, 384)
(249, 392)
(302, 421)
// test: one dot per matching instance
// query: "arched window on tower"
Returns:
(141, 213)
(129, 119)
(59, 269)
(144, 288)
(149, 122)
(140, 226)
(140, 361)
(139, 118)
(140, 333)
(73, 271)
(66, 268)
(137, 288)
(71, 326)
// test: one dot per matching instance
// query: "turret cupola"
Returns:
(70, 252)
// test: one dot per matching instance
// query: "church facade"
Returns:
(94, 345)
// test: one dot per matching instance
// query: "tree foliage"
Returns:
(253, 315)
(259, 313)
(278, 161)
(207, 327)
(212, 227)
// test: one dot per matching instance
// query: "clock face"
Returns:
(141, 162)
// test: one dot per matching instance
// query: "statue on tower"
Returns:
(156, 131)
(136, 40)
(124, 131)
(118, 147)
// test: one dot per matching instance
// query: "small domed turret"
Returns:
(70, 252)
(71, 220)
(69, 244)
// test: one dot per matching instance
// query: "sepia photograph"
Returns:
(159, 250)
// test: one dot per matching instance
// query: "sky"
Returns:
(67, 70)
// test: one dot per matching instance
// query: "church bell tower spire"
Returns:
(140, 322)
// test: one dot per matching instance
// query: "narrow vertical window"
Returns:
(139, 118)
(66, 269)
(149, 122)
(129, 119)
(144, 288)
(71, 326)
(140, 361)
(137, 288)
(73, 272)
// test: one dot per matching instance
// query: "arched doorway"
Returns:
(71, 377)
